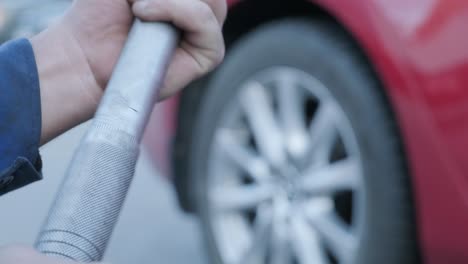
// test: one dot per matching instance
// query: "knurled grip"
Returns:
(87, 206)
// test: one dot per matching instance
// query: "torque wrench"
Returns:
(87, 206)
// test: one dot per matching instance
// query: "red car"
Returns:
(335, 132)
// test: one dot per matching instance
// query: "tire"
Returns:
(325, 52)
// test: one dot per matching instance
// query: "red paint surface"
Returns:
(419, 48)
(160, 133)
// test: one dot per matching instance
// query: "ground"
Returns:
(151, 229)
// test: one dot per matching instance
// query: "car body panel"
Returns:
(160, 133)
(419, 49)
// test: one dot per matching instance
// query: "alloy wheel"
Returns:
(285, 180)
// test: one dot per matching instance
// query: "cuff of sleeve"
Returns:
(22, 173)
(20, 163)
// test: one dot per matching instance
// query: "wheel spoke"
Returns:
(338, 176)
(243, 156)
(335, 234)
(241, 197)
(306, 243)
(260, 115)
(280, 253)
(323, 132)
(257, 252)
(292, 114)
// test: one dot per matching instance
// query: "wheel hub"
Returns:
(287, 182)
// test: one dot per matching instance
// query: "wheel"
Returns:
(296, 156)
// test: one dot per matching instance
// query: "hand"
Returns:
(75, 57)
(101, 27)
(26, 255)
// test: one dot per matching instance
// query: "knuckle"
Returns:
(214, 61)
(152, 10)
(223, 10)
(155, 6)
(220, 56)
(219, 9)
(204, 12)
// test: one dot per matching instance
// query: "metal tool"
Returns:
(88, 204)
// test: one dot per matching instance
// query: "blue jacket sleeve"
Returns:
(20, 115)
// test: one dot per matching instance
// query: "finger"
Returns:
(182, 70)
(219, 8)
(187, 14)
(202, 33)
(176, 79)
(202, 47)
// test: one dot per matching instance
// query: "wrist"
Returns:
(69, 91)
(58, 51)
